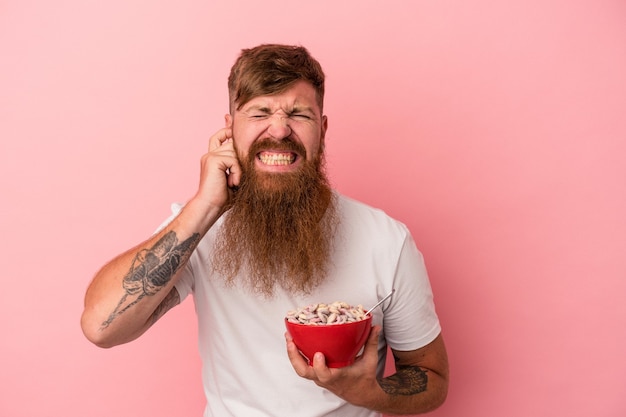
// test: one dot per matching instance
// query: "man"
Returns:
(265, 234)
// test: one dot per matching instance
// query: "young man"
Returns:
(265, 234)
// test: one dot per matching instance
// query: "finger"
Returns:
(299, 363)
(234, 175)
(322, 372)
(219, 138)
(371, 346)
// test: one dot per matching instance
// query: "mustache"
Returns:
(286, 144)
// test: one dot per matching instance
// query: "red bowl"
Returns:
(340, 343)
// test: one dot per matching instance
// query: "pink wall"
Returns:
(494, 130)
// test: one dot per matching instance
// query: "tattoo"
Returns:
(171, 299)
(408, 380)
(151, 270)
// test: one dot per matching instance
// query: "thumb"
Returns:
(371, 346)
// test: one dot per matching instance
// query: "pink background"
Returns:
(495, 130)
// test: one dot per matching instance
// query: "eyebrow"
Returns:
(302, 109)
(262, 109)
(267, 110)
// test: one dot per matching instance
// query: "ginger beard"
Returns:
(279, 228)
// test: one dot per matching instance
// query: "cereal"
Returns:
(320, 314)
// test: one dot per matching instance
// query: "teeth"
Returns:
(277, 158)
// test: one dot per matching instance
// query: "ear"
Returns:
(323, 129)
(228, 120)
(324, 126)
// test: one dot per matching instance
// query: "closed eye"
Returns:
(258, 112)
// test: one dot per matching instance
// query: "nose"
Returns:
(279, 126)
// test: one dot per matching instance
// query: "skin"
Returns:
(132, 291)
(293, 113)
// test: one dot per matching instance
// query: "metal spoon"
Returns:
(381, 301)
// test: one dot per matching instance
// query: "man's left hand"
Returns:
(355, 383)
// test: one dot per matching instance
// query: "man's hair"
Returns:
(271, 69)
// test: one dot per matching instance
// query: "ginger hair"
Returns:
(271, 69)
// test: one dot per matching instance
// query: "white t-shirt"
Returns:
(246, 371)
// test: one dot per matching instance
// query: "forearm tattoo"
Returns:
(151, 270)
(407, 380)
(171, 300)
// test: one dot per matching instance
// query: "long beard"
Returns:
(279, 230)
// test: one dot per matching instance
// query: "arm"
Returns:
(421, 380)
(135, 289)
(419, 385)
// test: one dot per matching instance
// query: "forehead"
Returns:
(301, 95)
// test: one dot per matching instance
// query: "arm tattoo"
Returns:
(151, 270)
(172, 299)
(408, 380)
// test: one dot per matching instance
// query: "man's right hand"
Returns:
(220, 171)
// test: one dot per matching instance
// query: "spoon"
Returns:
(381, 301)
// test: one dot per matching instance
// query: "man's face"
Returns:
(282, 130)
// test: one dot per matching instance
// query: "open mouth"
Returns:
(276, 158)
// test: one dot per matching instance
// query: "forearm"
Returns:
(129, 293)
(419, 385)
(411, 390)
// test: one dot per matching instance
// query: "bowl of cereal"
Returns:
(338, 330)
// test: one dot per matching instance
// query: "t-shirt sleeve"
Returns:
(184, 285)
(410, 321)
